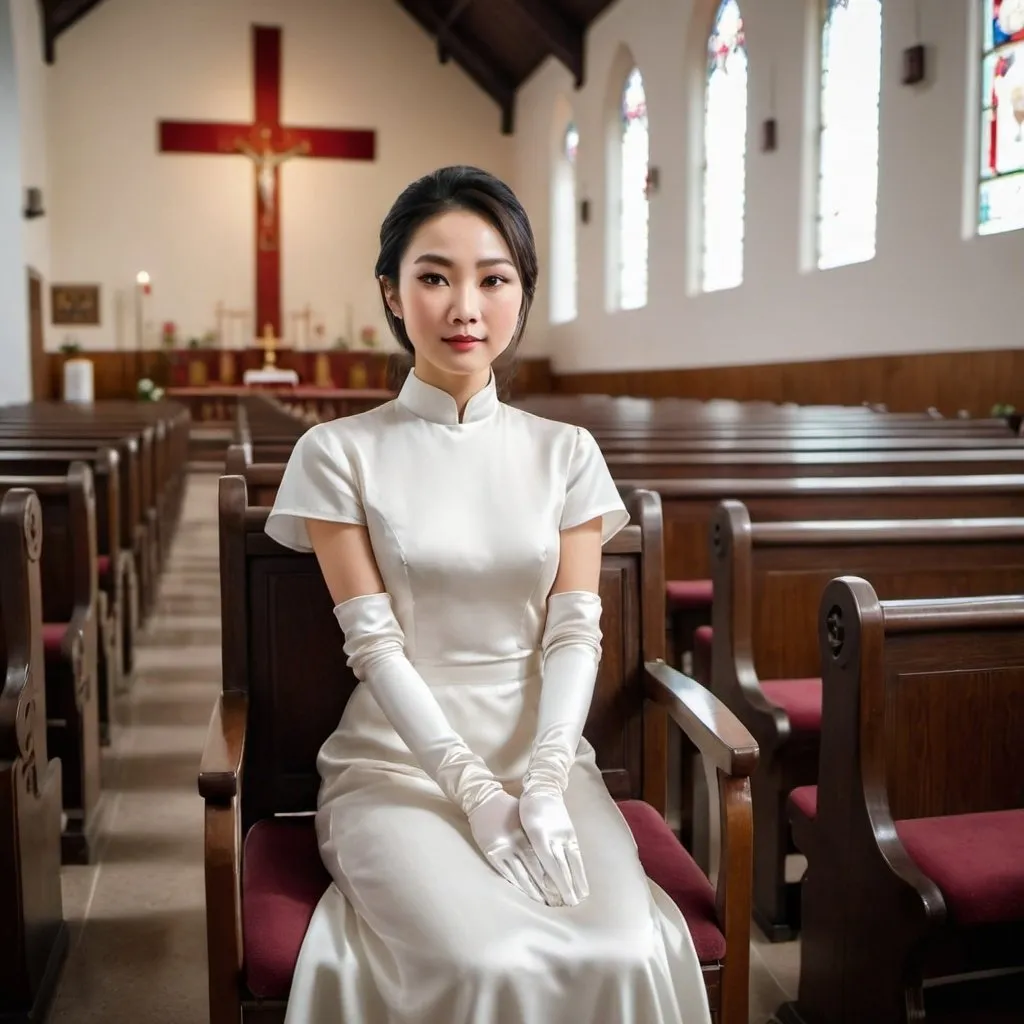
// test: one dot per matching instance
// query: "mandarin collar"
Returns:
(435, 404)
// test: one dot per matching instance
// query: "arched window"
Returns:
(725, 150)
(633, 209)
(563, 228)
(851, 74)
(1001, 198)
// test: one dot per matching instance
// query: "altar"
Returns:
(273, 376)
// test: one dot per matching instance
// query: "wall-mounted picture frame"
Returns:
(77, 304)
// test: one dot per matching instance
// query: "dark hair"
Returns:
(457, 188)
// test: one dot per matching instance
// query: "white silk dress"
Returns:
(418, 928)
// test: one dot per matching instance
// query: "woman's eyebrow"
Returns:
(444, 261)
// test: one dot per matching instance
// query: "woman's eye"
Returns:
(432, 279)
(493, 280)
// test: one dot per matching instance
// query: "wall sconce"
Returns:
(33, 203)
(914, 65)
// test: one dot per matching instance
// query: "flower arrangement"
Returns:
(147, 391)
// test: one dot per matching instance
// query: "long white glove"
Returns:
(571, 653)
(375, 645)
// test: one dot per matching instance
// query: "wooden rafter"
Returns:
(478, 61)
(562, 37)
(57, 17)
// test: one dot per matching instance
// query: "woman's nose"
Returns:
(465, 305)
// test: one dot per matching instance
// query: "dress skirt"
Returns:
(418, 928)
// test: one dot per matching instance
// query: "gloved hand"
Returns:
(375, 645)
(499, 835)
(571, 653)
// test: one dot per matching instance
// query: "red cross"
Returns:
(270, 143)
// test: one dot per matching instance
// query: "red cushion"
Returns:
(53, 637)
(283, 879)
(667, 863)
(805, 800)
(800, 699)
(686, 595)
(976, 860)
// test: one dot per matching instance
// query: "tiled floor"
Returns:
(138, 941)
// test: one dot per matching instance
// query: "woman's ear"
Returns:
(390, 293)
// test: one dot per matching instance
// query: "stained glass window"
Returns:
(633, 212)
(572, 142)
(725, 150)
(851, 67)
(564, 272)
(1001, 198)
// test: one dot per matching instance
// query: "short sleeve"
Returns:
(590, 490)
(318, 483)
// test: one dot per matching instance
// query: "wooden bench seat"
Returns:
(263, 871)
(764, 661)
(31, 911)
(113, 617)
(71, 640)
(914, 834)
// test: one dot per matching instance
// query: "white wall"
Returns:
(929, 288)
(119, 206)
(33, 101)
(22, 162)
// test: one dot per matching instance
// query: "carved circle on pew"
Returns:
(717, 538)
(33, 529)
(836, 630)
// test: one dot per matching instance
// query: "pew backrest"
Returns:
(282, 647)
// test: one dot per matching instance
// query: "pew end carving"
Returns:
(30, 781)
(914, 831)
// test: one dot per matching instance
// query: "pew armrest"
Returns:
(221, 766)
(220, 787)
(725, 745)
(711, 727)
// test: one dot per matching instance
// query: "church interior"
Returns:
(770, 238)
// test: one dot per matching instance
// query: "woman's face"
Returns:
(459, 296)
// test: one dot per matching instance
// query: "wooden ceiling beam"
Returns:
(57, 17)
(482, 65)
(561, 36)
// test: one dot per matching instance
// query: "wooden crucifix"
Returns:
(268, 144)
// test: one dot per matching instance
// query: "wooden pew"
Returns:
(651, 465)
(768, 580)
(33, 935)
(168, 421)
(111, 602)
(70, 645)
(915, 832)
(276, 712)
(140, 490)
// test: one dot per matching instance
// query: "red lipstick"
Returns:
(462, 342)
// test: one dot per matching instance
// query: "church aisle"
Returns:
(138, 941)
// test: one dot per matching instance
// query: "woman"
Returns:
(483, 875)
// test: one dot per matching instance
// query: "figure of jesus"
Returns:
(267, 163)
